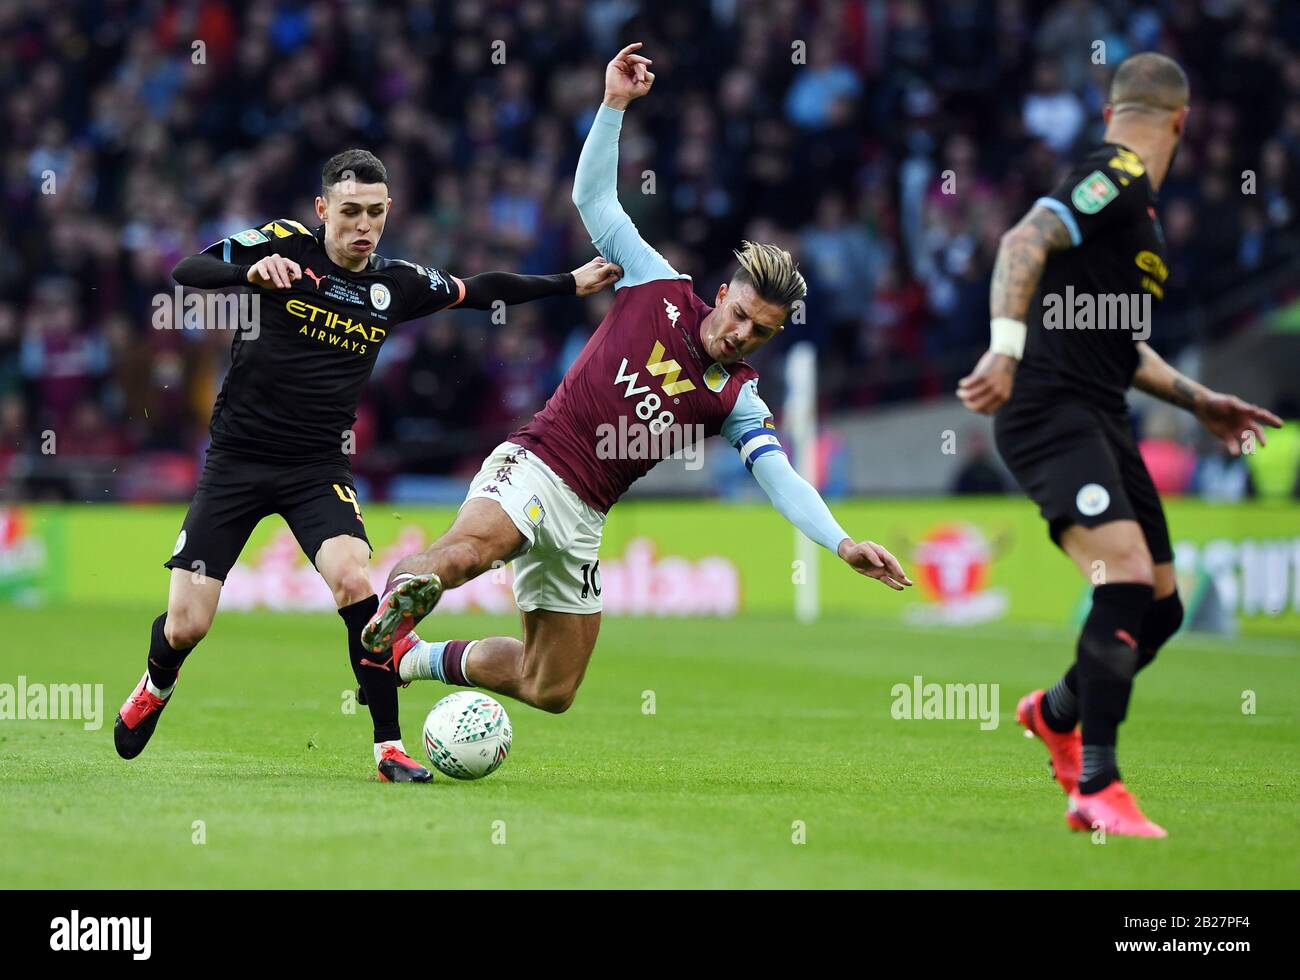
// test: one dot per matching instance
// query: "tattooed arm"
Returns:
(1233, 421)
(1156, 377)
(1022, 254)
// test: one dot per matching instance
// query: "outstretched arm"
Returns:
(1022, 254)
(798, 502)
(1155, 376)
(428, 290)
(1225, 416)
(749, 427)
(481, 291)
(595, 183)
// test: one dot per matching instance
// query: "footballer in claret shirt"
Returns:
(664, 369)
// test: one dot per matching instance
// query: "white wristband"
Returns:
(1008, 337)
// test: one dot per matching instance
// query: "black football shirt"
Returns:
(296, 380)
(1095, 299)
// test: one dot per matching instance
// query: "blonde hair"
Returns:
(772, 272)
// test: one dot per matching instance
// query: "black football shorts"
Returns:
(1081, 465)
(316, 498)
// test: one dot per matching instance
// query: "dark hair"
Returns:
(358, 166)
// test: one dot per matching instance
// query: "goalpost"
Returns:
(799, 426)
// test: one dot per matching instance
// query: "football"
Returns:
(467, 735)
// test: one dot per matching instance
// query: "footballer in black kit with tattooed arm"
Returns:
(1057, 385)
(325, 303)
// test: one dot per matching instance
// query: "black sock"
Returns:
(1098, 762)
(1108, 657)
(379, 686)
(164, 662)
(1162, 620)
(1061, 702)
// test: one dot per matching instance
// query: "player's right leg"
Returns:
(519, 509)
(481, 537)
(502, 517)
(191, 606)
(228, 502)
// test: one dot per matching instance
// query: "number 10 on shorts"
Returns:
(591, 579)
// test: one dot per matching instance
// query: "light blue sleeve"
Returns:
(1067, 218)
(595, 192)
(751, 430)
(750, 417)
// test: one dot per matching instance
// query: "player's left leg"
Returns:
(544, 670)
(344, 563)
(319, 503)
(1163, 616)
(1107, 660)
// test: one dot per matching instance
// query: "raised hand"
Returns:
(627, 77)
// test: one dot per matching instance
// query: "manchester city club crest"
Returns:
(380, 296)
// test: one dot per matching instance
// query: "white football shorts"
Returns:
(558, 568)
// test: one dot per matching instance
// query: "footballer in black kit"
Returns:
(289, 400)
(1065, 433)
(324, 303)
(1056, 374)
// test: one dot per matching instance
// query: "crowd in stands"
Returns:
(887, 143)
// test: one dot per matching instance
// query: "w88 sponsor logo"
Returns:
(646, 408)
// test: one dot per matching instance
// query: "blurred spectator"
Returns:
(847, 261)
(978, 473)
(1052, 112)
(810, 102)
(1221, 477)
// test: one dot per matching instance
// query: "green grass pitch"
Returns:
(762, 731)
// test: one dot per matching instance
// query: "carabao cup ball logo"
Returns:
(953, 561)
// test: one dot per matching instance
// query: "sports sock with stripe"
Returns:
(1161, 621)
(1107, 661)
(440, 661)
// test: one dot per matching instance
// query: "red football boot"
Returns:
(395, 766)
(136, 720)
(1113, 810)
(1065, 749)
